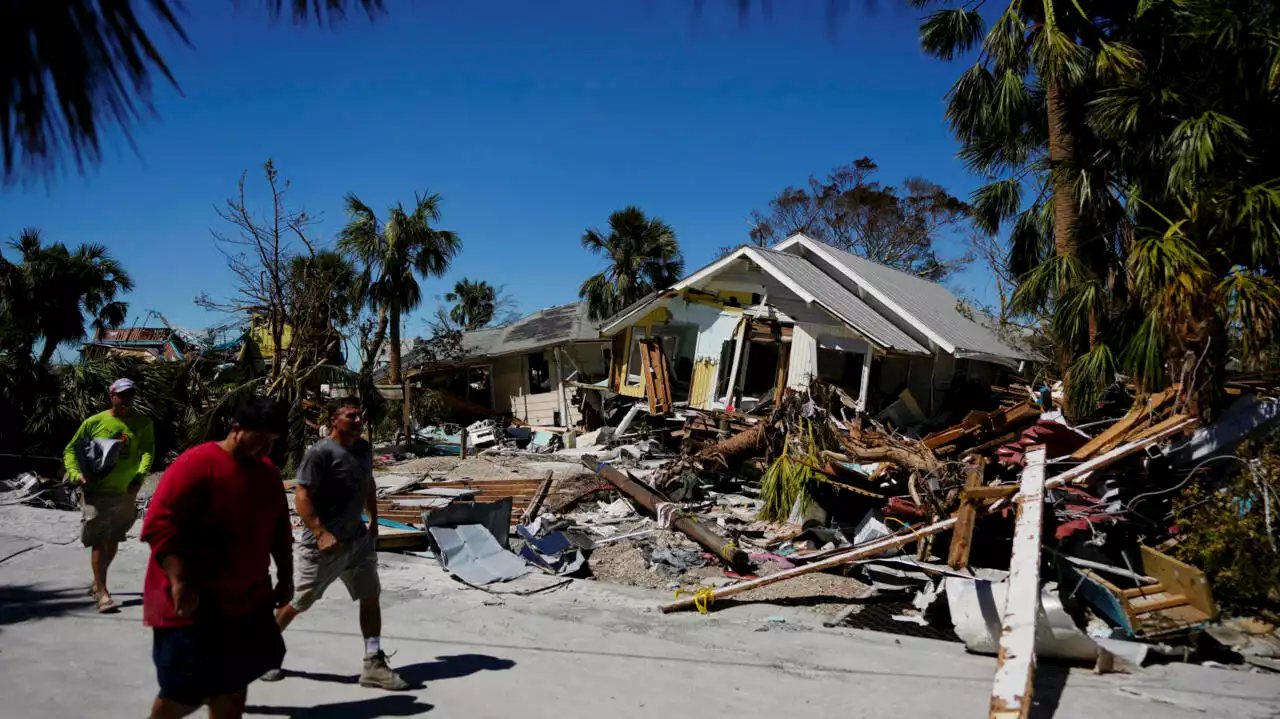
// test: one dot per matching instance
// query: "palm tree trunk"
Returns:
(46, 354)
(375, 345)
(1066, 206)
(1061, 153)
(394, 350)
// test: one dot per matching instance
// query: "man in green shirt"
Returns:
(108, 492)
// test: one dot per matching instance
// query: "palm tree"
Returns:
(393, 254)
(82, 65)
(474, 303)
(643, 256)
(1021, 112)
(54, 291)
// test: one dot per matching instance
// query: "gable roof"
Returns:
(807, 282)
(927, 306)
(822, 290)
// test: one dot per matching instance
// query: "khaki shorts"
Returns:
(356, 563)
(106, 517)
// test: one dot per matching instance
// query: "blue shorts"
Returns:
(215, 657)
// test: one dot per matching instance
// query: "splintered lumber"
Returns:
(1118, 432)
(669, 514)
(902, 456)
(962, 537)
(872, 549)
(531, 512)
(862, 551)
(1081, 472)
(1016, 662)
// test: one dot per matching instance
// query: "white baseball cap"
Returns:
(122, 385)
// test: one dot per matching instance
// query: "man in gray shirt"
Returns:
(335, 487)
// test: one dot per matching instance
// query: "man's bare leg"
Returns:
(370, 617)
(100, 557)
(228, 706)
(169, 709)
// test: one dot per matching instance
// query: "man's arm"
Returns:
(146, 453)
(371, 506)
(69, 454)
(282, 554)
(166, 528)
(311, 473)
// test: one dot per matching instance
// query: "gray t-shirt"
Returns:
(337, 479)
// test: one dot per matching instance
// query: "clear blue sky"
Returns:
(534, 120)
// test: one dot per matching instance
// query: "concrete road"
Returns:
(583, 651)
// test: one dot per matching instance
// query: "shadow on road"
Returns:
(1050, 682)
(20, 603)
(388, 705)
(451, 667)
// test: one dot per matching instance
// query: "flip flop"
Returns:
(107, 605)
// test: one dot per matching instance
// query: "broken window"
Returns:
(633, 360)
(539, 373)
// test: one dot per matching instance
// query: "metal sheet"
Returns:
(470, 553)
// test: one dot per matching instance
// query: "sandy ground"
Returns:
(585, 650)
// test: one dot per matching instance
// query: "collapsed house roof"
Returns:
(562, 324)
(896, 311)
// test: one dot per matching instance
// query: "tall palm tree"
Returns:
(474, 303)
(75, 66)
(394, 254)
(54, 291)
(1021, 112)
(643, 256)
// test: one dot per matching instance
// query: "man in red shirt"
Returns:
(218, 518)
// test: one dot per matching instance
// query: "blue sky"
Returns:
(533, 120)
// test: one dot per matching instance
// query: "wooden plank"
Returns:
(531, 511)
(962, 536)
(862, 551)
(1176, 600)
(1016, 662)
(945, 437)
(1139, 435)
(657, 375)
(1181, 578)
(1114, 432)
(1079, 473)
(992, 492)
(1144, 591)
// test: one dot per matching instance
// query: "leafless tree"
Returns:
(850, 211)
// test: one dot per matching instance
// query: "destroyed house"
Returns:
(150, 344)
(523, 369)
(758, 320)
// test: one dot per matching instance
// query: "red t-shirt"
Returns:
(223, 518)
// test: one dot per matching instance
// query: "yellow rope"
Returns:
(702, 599)
(905, 526)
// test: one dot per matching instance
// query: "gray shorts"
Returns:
(106, 518)
(356, 563)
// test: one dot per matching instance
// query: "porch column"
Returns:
(864, 389)
(804, 356)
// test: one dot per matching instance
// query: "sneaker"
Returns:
(378, 674)
(272, 675)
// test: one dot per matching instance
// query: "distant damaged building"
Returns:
(739, 330)
(526, 369)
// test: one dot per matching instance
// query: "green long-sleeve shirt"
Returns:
(134, 461)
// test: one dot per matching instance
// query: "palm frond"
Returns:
(953, 30)
(996, 202)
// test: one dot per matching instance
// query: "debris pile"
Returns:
(1068, 530)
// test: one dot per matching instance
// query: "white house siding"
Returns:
(540, 409)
